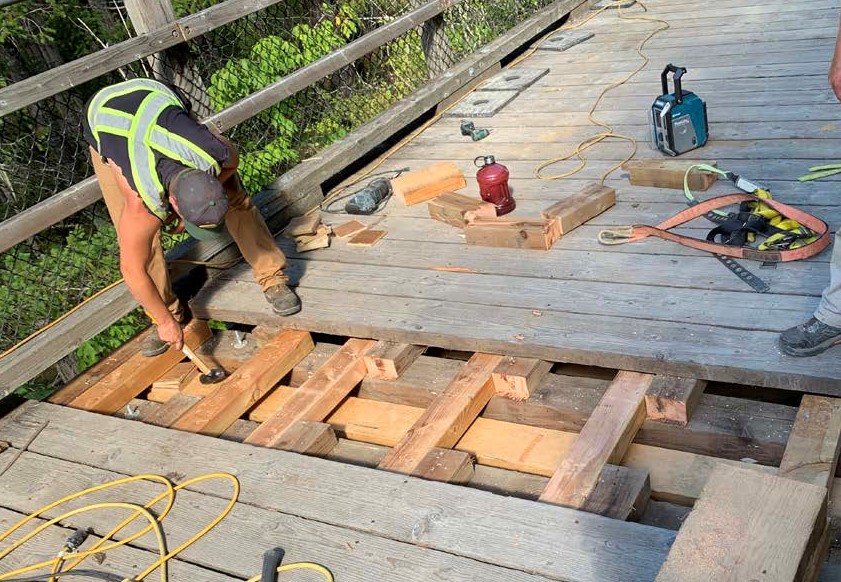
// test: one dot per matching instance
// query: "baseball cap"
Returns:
(202, 203)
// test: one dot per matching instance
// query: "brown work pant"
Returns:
(243, 221)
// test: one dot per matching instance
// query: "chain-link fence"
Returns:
(42, 151)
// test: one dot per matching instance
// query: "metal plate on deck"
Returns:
(482, 104)
(612, 4)
(514, 79)
(564, 40)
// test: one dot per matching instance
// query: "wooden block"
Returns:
(427, 183)
(748, 526)
(815, 442)
(236, 394)
(620, 493)
(308, 438)
(669, 174)
(603, 439)
(515, 378)
(303, 225)
(173, 378)
(366, 238)
(118, 388)
(316, 398)
(448, 417)
(672, 399)
(458, 209)
(446, 465)
(174, 409)
(585, 204)
(388, 359)
(348, 228)
(319, 240)
(513, 233)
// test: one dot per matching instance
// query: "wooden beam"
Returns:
(427, 183)
(515, 233)
(175, 407)
(672, 399)
(235, 395)
(308, 438)
(620, 493)
(174, 378)
(387, 360)
(445, 465)
(604, 439)
(577, 209)
(319, 396)
(669, 174)
(448, 417)
(815, 442)
(120, 386)
(458, 210)
(748, 526)
(516, 378)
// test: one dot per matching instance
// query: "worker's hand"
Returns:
(835, 76)
(170, 331)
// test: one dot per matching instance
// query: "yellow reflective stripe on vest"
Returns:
(123, 88)
(182, 150)
(140, 155)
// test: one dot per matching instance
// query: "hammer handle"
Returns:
(204, 368)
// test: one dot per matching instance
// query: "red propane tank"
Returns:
(493, 184)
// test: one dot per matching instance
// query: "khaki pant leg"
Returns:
(248, 229)
(156, 268)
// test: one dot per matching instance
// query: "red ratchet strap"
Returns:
(638, 232)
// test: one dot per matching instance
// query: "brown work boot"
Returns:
(153, 345)
(282, 299)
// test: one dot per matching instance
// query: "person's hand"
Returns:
(171, 332)
(835, 76)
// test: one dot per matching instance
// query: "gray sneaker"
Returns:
(153, 345)
(809, 339)
(283, 299)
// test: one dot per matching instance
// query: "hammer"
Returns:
(208, 375)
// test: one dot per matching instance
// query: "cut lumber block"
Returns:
(316, 398)
(319, 240)
(303, 225)
(427, 183)
(603, 439)
(515, 233)
(458, 210)
(235, 395)
(748, 526)
(448, 417)
(813, 447)
(516, 378)
(620, 493)
(174, 409)
(388, 359)
(366, 238)
(118, 388)
(173, 379)
(348, 228)
(308, 438)
(446, 465)
(669, 173)
(672, 399)
(585, 204)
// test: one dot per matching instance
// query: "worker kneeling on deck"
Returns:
(157, 167)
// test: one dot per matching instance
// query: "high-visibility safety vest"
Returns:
(144, 137)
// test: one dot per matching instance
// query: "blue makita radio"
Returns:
(679, 119)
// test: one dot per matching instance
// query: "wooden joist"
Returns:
(427, 183)
(749, 526)
(458, 209)
(815, 442)
(604, 439)
(235, 395)
(669, 174)
(672, 399)
(308, 438)
(516, 378)
(316, 398)
(448, 417)
(585, 204)
(620, 493)
(130, 379)
(387, 360)
(515, 233)
(446, 465)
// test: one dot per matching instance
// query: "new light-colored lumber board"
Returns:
(426, 183)
(672, 399)
(514, 233)
(670, 174)
(604, 439)
(378, 506)
(308, 438)
(448, 417)
(117, 388)
(459, 209)
(517, 378)
(582, 206)
(387, 360)
(748, 526)
(620, 493)
(317, 397)
(815, 442)
(236, 394)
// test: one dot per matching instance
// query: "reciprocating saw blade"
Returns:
(744, 184)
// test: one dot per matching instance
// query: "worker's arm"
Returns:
(137, 231)
(835, 68)
(229, 168)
